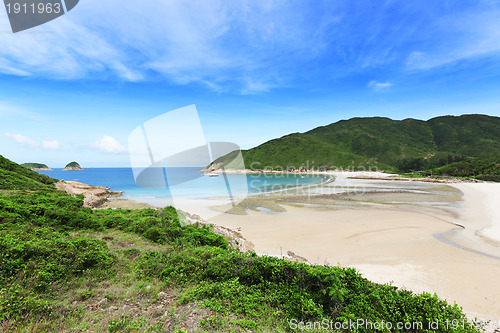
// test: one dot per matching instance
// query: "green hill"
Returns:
(484, 169)
(17, 177)
(73, 166)
(65, 268)
(380, 143)
(35, 165)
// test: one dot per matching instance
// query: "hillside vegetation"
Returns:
(65, 268)
(35, 166)
(383, 144)
(16, 177)
(73, 166)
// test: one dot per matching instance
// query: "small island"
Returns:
(73, 166)
(37, 166)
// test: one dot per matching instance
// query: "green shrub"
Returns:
(251, 286)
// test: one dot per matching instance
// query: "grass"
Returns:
(132, 300)
(66, 268)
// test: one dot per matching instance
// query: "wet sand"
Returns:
(422, 236)
(419, 236)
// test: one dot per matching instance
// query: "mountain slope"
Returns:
(17, 177)
(382, 143)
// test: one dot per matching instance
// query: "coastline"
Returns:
(387, 242)
(93, 196)
(392, 242)
(100, 197)
(366, 175)
(481, 198)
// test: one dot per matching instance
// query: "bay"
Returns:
(196, 186)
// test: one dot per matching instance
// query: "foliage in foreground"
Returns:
(37, 252)
(48, 245)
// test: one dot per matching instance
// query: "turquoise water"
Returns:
(197, 186)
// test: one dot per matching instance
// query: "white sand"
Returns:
(393, 245)
(481, 209)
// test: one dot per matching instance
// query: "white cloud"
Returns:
(245, 46)
(379, 85)
(30, 143)
(461, 37)
(108, 144)
(22, 140)
(52, 145)
(216, 44)
(8, 69)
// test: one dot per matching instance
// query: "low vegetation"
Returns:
(484, 169)
(68, 268)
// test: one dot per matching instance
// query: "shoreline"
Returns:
(94, 196)
(357, 174)
(390, 242)
(100, 197)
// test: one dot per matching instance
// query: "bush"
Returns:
(33, 258)
(251, 286)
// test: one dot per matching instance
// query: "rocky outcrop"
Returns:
(73, 166)
(235, 239)
(214, 167)
(290, 256)
(41, 169)
(93, 196)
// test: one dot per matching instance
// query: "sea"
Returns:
(189, 183)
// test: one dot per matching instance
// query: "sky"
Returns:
(76, 87)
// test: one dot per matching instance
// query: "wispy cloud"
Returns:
(459, 36)
(378, 85)
(22, 140)
(68, 50)
(51, 145)
(7, 68)
(219, 44)
(108, 144)
(248, 47)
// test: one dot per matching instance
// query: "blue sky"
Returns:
(74, 88)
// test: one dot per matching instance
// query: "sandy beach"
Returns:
(437, 238)
(422, 236)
